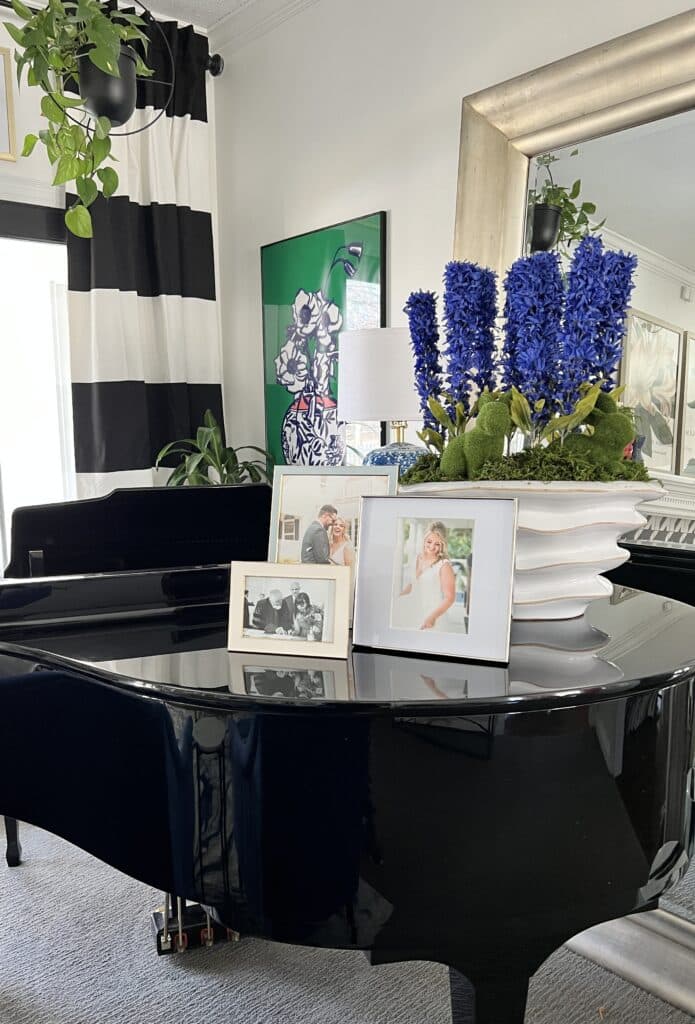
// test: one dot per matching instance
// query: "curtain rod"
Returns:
(214, 64)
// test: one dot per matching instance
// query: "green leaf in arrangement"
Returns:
(431, 438)
(520, 412)
(576, 189)
(102, 59)
(441, 415)
(67, 169)
(102, 127)
(79, 221)
(86, 190)
(22, 10)
(99, 150)
(16, 32)
(29, 143)
(109, 180)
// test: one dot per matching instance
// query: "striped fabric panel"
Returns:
(669, 531)
(144, 326)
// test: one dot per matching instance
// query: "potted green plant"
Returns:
(88, 45)
(557, 217)
(205, 460)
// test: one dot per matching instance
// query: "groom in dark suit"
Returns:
(315, 546)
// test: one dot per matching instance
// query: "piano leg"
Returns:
(13, 853)
(491, 1000)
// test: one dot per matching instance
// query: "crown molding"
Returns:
(253, 19)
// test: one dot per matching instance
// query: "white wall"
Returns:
(347, 108)
(28, 179)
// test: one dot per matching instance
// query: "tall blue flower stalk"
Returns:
(533, 316)
(598, 292)
(470, 310)
(421, 310)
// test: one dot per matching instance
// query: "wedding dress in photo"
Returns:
(411, 609)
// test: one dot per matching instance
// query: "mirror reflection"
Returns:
(633, 189)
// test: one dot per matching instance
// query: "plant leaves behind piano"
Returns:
(205, 459)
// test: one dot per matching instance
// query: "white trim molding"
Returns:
(251, 20)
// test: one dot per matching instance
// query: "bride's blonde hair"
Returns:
(439, 530)
(341, 519)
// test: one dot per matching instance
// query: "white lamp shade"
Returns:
(376, 377)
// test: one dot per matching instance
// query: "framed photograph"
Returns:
(650, 371)
(435, 576)
(315, 516)
(314, 286)
(275, 675)
(285, 609)
(8, 148)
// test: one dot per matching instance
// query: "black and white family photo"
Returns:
(280, 607)
(304, 684)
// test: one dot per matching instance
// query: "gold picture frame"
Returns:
(8, 141)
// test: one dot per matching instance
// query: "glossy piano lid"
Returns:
(630, 642)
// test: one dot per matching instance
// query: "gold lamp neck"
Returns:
(398, 431)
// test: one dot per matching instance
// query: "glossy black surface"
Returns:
(141, 528)
(481, 829)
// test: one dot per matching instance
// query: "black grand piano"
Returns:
(469, 814)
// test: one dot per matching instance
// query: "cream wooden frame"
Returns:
(640, 77)
(6, 70)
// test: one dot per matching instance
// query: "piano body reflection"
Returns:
(474, 815)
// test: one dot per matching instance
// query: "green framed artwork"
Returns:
(314, 286)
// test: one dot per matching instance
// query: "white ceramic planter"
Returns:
(567, 535)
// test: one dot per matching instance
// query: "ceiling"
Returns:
(204, 13)
(642, 183)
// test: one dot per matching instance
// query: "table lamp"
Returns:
(376, 382)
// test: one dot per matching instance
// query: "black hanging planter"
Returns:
(545, 227)
(105, 95)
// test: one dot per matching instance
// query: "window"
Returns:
(289, 528)
(36, 452)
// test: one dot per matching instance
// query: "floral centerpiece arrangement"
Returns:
(549, 388)
(531, 411)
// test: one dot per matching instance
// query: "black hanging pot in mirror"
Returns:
(545, 228)
(105, 95)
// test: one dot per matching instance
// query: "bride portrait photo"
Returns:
(431, 575)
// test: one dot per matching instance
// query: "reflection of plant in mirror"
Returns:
(574, 215)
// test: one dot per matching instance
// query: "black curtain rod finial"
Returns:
(215, 64)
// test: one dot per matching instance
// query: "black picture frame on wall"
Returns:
(314, 285)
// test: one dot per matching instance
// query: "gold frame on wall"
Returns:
(637, 78)
(6, 71)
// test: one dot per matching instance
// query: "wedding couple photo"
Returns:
(278, 607)
(432, 575)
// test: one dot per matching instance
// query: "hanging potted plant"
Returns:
(86, 47)
(557, 218)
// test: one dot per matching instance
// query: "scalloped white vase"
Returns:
(567, 535)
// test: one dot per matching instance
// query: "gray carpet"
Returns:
(76, 948)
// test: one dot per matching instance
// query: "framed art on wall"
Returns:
(434, 576)
(686, 436)
(313, 286)
(8, 149)
(268, 615)
(650, 371)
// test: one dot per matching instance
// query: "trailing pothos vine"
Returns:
(50, 42)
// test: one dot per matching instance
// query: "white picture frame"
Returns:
(290, 678)
(265, 628)
(408, 570)
(8, 142)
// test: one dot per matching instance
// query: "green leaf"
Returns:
(574, 191)
(16, 32)
(539, 405)
(22, 10)
(86, 190)
(51, 110)
(520, 412)
(29, 143)
(432, 438)
(99, 149)
(79, 221)
(66, 102)
(103, 127)
(588, 207)
(109, 180)
(581, 410)
(141, 69)
(208, 419)
(67, 169)
(102, 59)
(616, 393)
(441, 415)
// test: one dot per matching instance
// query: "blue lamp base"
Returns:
(398, 454)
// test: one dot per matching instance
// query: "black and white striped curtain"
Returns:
(144, 328)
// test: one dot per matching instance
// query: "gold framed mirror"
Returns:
(644, 76)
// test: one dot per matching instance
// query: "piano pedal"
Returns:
(197, 930)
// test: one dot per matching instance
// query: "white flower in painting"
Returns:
(324, 367)
(330, 320)
(291, 367)
(306, 310)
